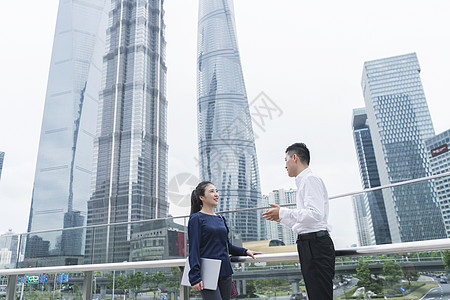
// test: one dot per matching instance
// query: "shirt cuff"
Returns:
(283, 212)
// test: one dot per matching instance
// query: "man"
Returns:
(310, 221)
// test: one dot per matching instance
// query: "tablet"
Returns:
(209, 270)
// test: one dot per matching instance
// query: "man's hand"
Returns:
(272, 214)
(198, 286)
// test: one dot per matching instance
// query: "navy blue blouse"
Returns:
(208, 238)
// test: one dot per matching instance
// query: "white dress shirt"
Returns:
(312, 210)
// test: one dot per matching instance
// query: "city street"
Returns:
(440, 292)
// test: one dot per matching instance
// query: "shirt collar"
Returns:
(302, 175)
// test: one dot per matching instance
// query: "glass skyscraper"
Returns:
(399, 123)
(130, 173)
(64, 163)
(376, 211)
(439, 157)
(364, 225)
(226, 140)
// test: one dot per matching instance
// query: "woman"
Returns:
(208, 238)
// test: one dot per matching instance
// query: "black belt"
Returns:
(312, 235)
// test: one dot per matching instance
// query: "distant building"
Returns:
(5, 257)
(274, 230)
(439, 157)
(400, 122)
(159, 239)
(2, 157)
(373, 202)
(9, 243)
(364, 225)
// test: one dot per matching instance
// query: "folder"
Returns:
(209, 270)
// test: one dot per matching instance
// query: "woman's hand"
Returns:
(198, 286)
(252, 253)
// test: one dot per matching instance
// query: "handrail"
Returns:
(238, 210)
(419, 246)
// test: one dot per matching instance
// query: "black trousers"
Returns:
(317, 265)
(223, 290)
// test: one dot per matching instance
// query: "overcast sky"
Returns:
(306, 56)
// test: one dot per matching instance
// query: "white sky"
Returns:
(307, 56)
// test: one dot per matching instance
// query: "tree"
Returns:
(392, 273)
(446, 259)
(133, 283)
(369, 281)
(158, 278)
(363, 274)
(172, 284)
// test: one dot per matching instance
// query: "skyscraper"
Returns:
(399, 123)
(274, 230)
(376, 211)
(64, 162)
(2, 157)
(226, 140)
(439, 157)
(130, 173)
(364, 225)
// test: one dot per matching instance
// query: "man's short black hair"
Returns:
(301, 150)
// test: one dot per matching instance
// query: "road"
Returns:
(438, 293)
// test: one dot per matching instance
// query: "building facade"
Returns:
(374, 202)
(9, 244)
(439, 158)
(363, 220)
(159, 239)
(400, 122)
(130, 165)
(275, 230)
(226, 139)
(64, 163)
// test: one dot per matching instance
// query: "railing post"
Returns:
(184, 290)
(87, 285)
(11, 287)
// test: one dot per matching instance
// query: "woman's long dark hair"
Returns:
(196, 203)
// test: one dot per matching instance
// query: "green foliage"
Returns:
(410, 274)
(366, 279)
(134, 281)
(392, 272)
(172, 283)
(446, 259)
(363, 274)
(158, 278)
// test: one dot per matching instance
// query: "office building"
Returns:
(226, 139)
(274, 230)
(376, 212)
(2, 158)
(399, 123)
(63, 170)
(363, 221)
(159, 239)
(9, 243)
(130, 165)
(439, 158)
